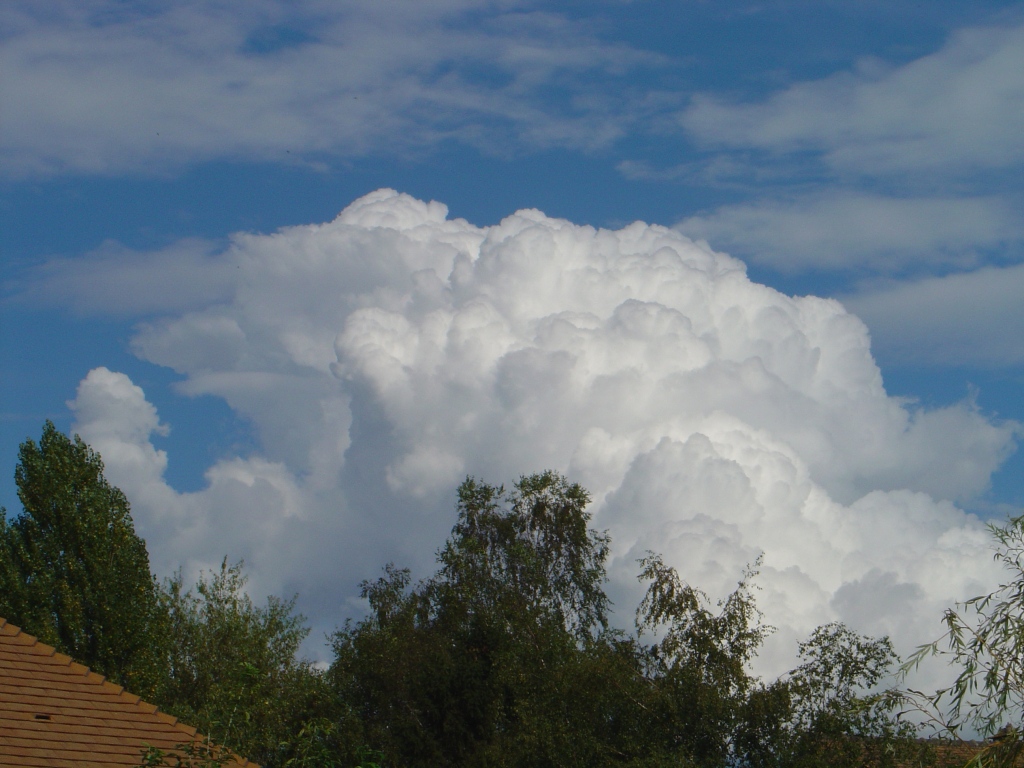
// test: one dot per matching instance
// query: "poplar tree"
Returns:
(73, 572)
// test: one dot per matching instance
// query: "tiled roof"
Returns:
(56, 713)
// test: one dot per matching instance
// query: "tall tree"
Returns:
(73, 572)
(487, 662)
(828, 710)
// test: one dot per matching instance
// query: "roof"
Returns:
(57, 713)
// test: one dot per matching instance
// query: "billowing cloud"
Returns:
(253, 499)
(385, 355)
(100, 87)
(956, 110)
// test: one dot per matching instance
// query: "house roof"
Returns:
(58, 714)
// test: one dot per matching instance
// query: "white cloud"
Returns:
(973, 318)
(113, 416)
(384, 355)
(856, 231)
(956, 110)
(130, 282)
(100, 88)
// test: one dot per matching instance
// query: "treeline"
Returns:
(503, 657)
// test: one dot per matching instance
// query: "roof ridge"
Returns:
(11, 631)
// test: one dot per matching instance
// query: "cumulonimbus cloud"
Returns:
(385, 355)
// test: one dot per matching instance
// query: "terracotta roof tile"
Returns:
(57, 713)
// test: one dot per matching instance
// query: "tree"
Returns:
(537, 556)
(985, 638)
(711, 709)
(232, 669)
(699, 669)
(503, 657)
(73, 572)
(836, 712)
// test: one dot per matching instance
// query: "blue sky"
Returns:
(867, 152)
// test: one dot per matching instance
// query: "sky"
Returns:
(750, 272)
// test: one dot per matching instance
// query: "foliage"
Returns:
(838, 665)
(195, 754)
(699, 669)
(503, 657)
(537, 556)
(836, 711)
(985, 638)
(764, 731)
(823, 713)
(232, 668)
(369, 758)
(315, 746)
(73, 572)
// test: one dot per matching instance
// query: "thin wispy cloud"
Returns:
(956, 111)
(972, 318)
(119, 281)
(859, 232)
(98, 88)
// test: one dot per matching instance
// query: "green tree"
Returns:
(233, 669)
(199, 753)
(503, 657)
(709, 707)
(73, 572)
(534, 556)
(837, 713)
(700, 668)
